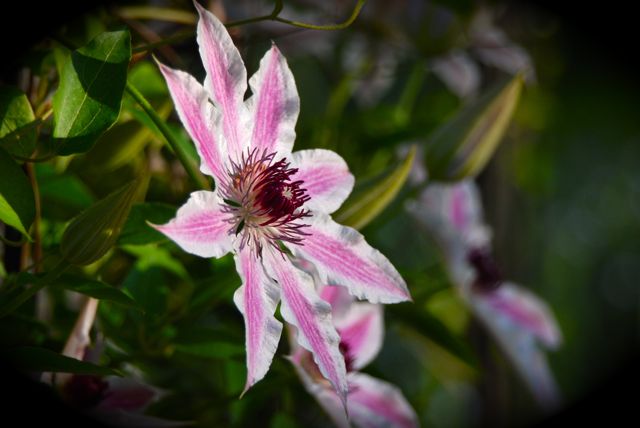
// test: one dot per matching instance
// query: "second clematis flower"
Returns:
(521, 323)
(268, 199)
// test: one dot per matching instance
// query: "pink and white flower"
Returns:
(371, 402)
(520, 322)
(266, 197)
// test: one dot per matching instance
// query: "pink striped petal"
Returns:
(343, 257)
(361, 333)
(226, 76)
(304, 309)
(200, 227)
(376, 404)
(257, 299)
(326, 177)
(275, 105)
(527, 311)
(199, 118)
(518, 341)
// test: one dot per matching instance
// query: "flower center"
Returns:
(488, 275)
(263, 201)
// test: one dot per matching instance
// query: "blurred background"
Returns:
(562, 195)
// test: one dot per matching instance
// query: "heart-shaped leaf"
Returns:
(88, 99)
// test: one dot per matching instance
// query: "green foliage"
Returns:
(463, 145)
(372, 196)
(92, 82)
(18, 125)
(92, 233)
(34, 359)
(17, 208)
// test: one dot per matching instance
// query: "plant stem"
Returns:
(330, 27)
(189, 167)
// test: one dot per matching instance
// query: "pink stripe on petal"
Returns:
(303, 308)
(375, 404)
(527, 311)
(274, 106)
(200, 227)
(343, 257)
(226, 76)
(198, 117)
(326, 177)
(257, 299)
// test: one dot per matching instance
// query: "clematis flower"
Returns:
(520, 322)
(371, 402)
(266, 197)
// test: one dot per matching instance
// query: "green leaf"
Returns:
(97, 289)
(18, 125)
(136, 230)
(462, 146)
(17, 208)
(88, 99)
(92, 233)
(372, 196)
(34, 359)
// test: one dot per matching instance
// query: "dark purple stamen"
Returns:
(349, 360)
(488, 275)
(277, 195)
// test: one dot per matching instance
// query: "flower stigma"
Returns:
(263, 202)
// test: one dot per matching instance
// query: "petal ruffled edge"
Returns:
(226, 77)
(200, 227)
(274, 106)
(200, 119)
(257, 299)
(304, 309)
(343, 257)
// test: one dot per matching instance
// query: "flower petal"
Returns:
(226, 76)
(375, 403)
(526, 310)
(200, 227)
(199, 118)
(303, 308)
(326, 396)
(343, 257)
(257, 299)
(519, 345)
(128, 394)
(326, 177)
(275, 105)
(361, 332)
(339, 299)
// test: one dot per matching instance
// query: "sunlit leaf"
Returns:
(88, 99)
(18, 127)
(92, 233)
(17, 207)
(372, 196)
(462, 146)
(34, 359)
